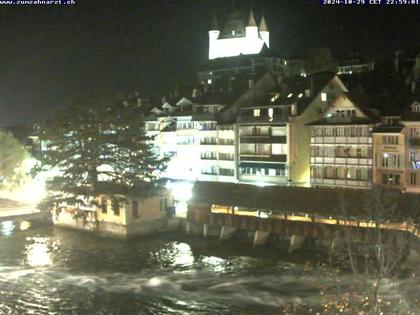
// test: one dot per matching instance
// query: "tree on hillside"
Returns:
(320, 60)
(12, 155)
(99, 146)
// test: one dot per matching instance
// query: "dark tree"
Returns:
(320, 60)
(99, 146)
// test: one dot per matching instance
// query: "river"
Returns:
(48, 270)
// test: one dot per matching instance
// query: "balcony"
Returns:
(415, 142)
(342, 160)
(208, 142)
(263, 158)
(262, 119)
(226, 141)
(263, 139)
(341, 140)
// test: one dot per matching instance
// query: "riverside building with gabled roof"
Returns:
(341, 145)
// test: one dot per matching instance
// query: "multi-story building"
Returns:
(273, 139)
(389, 153)
(341, 145)
(411, 121)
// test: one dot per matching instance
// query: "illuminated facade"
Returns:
(341, 146)
(198, 146)
(135, 215)
(273, 139)
(389, 154)
(238, 37)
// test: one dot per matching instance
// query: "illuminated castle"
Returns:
(238, 38)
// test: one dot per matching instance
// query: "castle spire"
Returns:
(263, 24)
(214, 26)
(251, 20)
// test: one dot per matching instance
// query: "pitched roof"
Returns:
(263, 25)
(322, 201)
(251, 19)
(388, 129)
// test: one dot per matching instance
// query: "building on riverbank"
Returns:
(341, 145)
(120, 215)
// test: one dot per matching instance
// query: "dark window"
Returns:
(162, 204)
(116, 207)
(135, 208)
(413, 179)
(104, 205)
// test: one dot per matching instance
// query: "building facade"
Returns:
(341, 146)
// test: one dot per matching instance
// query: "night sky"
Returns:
(51, 55)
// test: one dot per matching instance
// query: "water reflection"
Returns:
(183, 254)
(7, 228)
(215, 263)
(38, 253)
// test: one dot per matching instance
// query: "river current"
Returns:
(49, 270)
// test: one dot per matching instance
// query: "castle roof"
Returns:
(251, 19)
(263, 25)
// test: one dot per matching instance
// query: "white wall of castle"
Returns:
(250, 44)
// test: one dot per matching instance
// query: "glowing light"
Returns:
(290, 95)
(38, 253)
(181, 209)
(182, 191)
(24, 225)
(300, 95)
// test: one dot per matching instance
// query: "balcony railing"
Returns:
(226, 141)
(415, 142)
(341, 140)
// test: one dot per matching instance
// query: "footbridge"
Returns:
(223, 209)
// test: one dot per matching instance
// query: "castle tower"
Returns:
(251, 29)
(264, 32)
(214, 33)
(240, 35)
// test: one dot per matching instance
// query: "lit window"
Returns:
(290, 95)
(416, 107)
(209, 81)
(257, 112)
(323, 96)
(270, 113)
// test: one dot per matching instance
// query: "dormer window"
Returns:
(415, 107)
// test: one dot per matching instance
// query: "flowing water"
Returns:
(48, 270)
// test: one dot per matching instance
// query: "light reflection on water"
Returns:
(37, 252)
(7, 228)
(65, 272)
